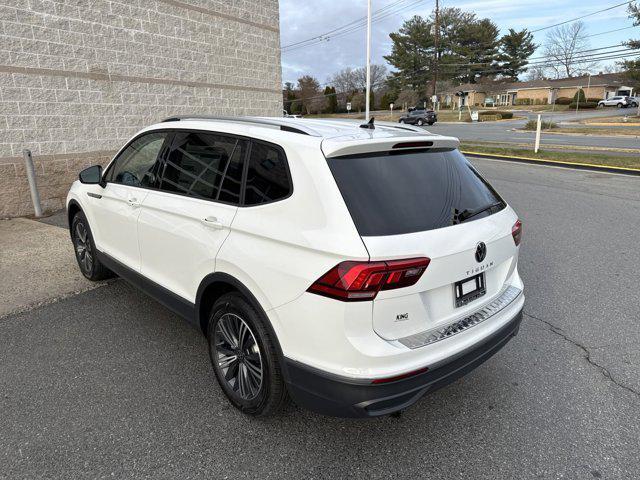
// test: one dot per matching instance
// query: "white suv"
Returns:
(351, 268)
(620, 102)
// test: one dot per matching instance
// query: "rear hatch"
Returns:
(429, 203)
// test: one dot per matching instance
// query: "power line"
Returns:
(325, 34)
(358, 25)
(583, 16)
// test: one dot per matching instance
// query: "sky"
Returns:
(302, 19)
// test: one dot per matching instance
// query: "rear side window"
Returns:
(205, 166)
(268, 177)
(393, 194)
(137, 164)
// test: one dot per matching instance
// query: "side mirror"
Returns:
(92, 176)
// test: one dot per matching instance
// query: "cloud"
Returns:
(300, 20)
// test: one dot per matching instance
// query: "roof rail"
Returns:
(282, 124)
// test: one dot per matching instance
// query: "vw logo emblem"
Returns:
(481, 251)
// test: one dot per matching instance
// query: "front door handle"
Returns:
(212, 222)
(133, 202)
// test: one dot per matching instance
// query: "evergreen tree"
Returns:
(332, 99)
(515, 50)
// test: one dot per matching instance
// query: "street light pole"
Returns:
(368, 99)
(436, 38)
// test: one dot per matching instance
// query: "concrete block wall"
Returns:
(78, 78)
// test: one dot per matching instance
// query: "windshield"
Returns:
(395, 193)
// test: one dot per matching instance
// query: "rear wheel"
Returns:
(85, 250)
(244, 357)
(401, 121)
(620, 105)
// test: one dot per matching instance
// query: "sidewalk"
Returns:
(37, 265)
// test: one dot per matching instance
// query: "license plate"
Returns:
(469, 289)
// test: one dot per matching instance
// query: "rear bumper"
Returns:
(337, 396)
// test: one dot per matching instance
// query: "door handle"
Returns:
(133, 202)
(212, 222)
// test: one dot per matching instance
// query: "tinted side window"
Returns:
(267, 175)
(136, 165)
(205, 165)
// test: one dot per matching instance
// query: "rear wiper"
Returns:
(467, 214)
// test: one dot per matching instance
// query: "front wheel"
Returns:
(244, 357)
(85, 249)
(420, 122)
(431, 123)
(401, 121)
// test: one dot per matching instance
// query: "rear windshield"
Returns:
(394, 193)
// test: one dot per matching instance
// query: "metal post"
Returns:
(538, 130)
(368, 100)
(33, 187)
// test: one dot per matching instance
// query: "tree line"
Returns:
(469, 50)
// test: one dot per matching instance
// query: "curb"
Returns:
(557, 163)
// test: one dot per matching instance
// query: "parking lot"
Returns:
(108, 383)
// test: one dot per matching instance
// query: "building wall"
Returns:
(540, 94)
(78, 78)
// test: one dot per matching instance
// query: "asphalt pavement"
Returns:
(509, 132)
(108, 383)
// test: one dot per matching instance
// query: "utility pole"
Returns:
(436, 38)
(368, 93)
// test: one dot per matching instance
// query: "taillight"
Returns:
(516, 231)
(361, 281)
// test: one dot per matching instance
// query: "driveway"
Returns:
(108, 383)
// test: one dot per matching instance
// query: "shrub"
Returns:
(563, 101)
(579, 97)
(523, 101)
(501, 114)
(546, 125)
(596, 100)
(585, 105)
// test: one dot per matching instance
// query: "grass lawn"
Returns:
(632, 131)
(560, 156)
(632, 118)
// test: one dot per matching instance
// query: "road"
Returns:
(508, 132)
(108, 383)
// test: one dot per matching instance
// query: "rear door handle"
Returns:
(133, 202)
(212, 222)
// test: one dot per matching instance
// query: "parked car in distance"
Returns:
(419, 117)
(617, 101)
(633, 101)
(352, 268)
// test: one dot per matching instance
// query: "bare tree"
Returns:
(352, 80)
(538, 72)
(408, 98)
(563, 49)
(310, 94)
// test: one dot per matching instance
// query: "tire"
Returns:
(262, 392)
(401, 121)
(420, 122)
(85, 250)
(430, 123)
(634, 105)
(620, 105)
(601, 105)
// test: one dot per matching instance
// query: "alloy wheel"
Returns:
(83, 247)
(237, 354)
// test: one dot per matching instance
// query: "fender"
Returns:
(238, 285)
(72, 204)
